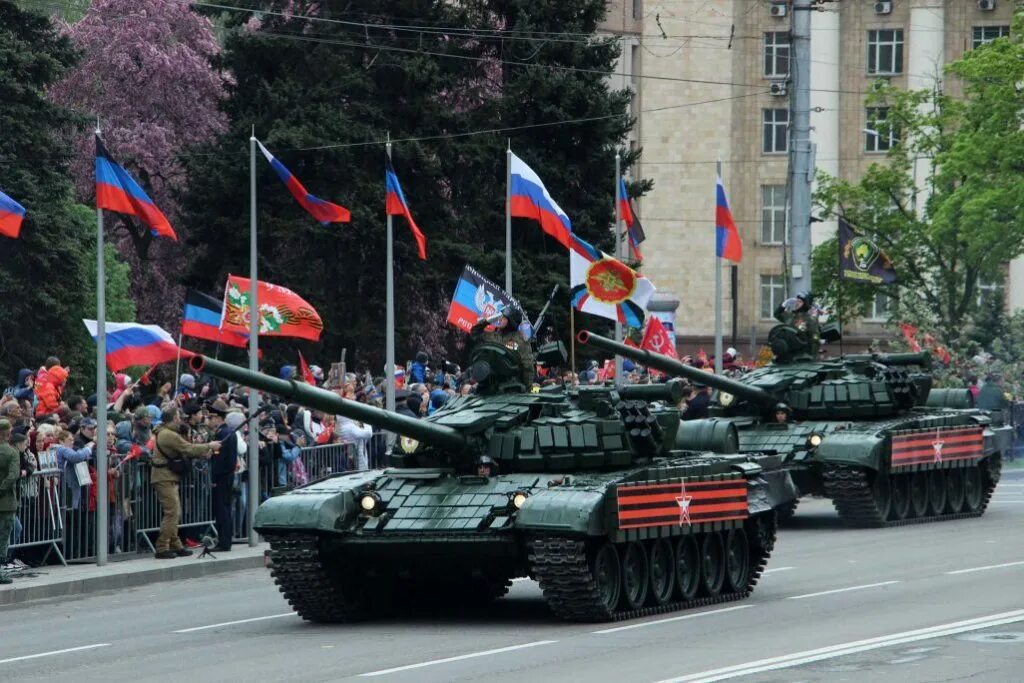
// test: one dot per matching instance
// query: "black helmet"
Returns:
(806, 297)
(781, 407)
(488, 461)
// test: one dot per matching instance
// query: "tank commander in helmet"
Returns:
(486, 467)
(783, 414)
(799, 312)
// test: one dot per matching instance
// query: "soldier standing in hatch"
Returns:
(800, 313)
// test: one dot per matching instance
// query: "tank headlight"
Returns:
(369, 503)
(814, 440)
(409, 445)
(725, 398)
(518, 498)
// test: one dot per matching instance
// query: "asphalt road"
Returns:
(935, 602)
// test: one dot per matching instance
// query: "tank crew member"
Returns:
(697, 405)
(486, 467)
(783, 414)
(799, 312)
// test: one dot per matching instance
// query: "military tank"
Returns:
(584, 491)
(867, 431)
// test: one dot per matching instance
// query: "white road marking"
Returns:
(521, 579)
(670, 619)
(54, 652)
(990, 566)
(457, 658)
(232, 623)
(777, 569)
(842, 590)
(842, 649)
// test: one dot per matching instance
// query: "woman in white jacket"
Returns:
(358, 435)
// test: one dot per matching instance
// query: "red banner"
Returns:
(657, 340)
(682, 503)
(283, 313)
(937, 445)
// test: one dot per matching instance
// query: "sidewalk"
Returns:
(78, 579)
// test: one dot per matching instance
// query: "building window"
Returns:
(638, 9)
(885, 51)
(986, 34)
(880, 308)
(776, 131)
(880, 135)
(772, 294)
(774, 223)
(989, 289)
(776, 54)
(634, 80)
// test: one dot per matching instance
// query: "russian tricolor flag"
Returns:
(131, 344)
(325, 212)
(395, 205)
(117, 191)
(530, 199)
(11, 215)
(727, 238)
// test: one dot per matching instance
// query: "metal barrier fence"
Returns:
(58, 516)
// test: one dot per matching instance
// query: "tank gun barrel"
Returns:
(321, 399)
(674, 367)
(895, 359)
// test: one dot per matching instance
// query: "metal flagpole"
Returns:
(572, 337)
(102, 506)
(508, 218)
(718, 294)
(618, 254)
(254, 351)
(177, 367)
(389, 278)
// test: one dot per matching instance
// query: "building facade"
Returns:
(712, 86)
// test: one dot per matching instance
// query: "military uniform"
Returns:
(513, 340)
(804, 322)
(10, 473)
(171, 444)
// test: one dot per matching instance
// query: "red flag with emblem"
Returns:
(307, 374)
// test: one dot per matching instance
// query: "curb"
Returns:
(12, 595)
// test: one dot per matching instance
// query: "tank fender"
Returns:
(998, 439)
(563, 510)
(769, 490)
(321, 506)
(860, 449)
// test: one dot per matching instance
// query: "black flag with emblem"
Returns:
(860, 258)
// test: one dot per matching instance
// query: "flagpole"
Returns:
(389, 278)
(254, 342)
(572, 337)
(177, 367)
(508, 218)
(618, 254)
(102, 505)
(718, 296)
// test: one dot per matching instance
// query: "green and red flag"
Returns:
(283, 313)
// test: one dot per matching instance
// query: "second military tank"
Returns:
(867, 431)
(585, 491)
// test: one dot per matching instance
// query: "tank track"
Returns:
(299, 572)
(560, 565)
(786, 511)
(850, 491)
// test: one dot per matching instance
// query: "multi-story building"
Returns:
(713, 86)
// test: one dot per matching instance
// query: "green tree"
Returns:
(44, 273)
(971, 222)
(323, 95)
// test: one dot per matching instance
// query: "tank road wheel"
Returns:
(687, 567)
(635, 576)
(786, 511)
(881, 494)
(954, 490)
(608, 575)
(900, 485)
(663, 575)
(919, 494)
(737, 560)
(712, 564)
(936, 492)
(973, 489)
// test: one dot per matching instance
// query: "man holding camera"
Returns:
(170, 461)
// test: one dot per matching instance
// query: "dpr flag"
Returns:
(283, 313)
(634, 231)
(528, 198)
(860, 258)
(323, 211)
(118, 191)
(201, 319)
(727, 238)
(11, 215)
(477, 297)
(395, 205)
(604, 286)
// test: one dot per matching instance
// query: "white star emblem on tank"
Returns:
(683, 501)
